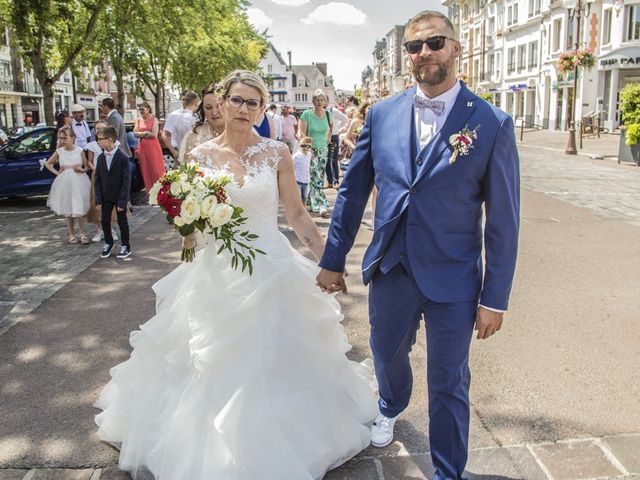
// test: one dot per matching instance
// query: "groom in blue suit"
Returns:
(437, 154)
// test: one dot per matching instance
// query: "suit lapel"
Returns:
(405, 123)
(457, 120)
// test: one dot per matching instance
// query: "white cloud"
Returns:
(291, 3)
(258, 18)
(336, 12)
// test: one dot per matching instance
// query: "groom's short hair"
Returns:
(427, 15)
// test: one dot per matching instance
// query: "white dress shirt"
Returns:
(339, 120)
(83, 133)
(109, 157)
(428, 124)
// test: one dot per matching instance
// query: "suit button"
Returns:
(413, 190)
(419, 162)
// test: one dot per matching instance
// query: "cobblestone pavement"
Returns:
(614, 457)
(35, 258)
(611, 190)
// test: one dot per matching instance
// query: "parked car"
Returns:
(15, 132)
(21, 159)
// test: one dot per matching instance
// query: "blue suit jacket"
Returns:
(441, 204)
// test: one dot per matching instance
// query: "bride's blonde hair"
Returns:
(247, 78)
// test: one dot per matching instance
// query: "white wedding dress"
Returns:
(240, 377)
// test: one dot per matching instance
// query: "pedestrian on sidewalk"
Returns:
(94, 215)
(69, 194)
(289, 127)
(316, 123)
(209, 122)
(80, 126)
(302, 161)
(179, 122)
(149, 149)
(112, 187)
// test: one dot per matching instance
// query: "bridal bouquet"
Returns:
(193, 201)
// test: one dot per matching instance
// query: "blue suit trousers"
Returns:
(396, 306)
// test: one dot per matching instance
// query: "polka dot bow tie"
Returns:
(437, 106)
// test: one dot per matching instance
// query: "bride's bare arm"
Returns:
(296, 213)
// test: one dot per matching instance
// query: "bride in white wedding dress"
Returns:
(241, 377)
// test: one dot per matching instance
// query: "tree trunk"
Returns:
(158, 97)
(47, 98)
(121, 95)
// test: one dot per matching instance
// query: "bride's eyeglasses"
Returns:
(434, 43)
(236, 101)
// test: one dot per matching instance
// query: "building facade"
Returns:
(510, 51)
(294, 84)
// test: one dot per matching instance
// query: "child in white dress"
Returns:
(69, 194)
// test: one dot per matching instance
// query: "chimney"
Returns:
(322, 67)
(289, 54)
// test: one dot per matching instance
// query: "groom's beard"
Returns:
(427, 75)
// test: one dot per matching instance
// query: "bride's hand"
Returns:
(331, 282)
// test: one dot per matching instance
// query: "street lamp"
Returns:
(575, 13)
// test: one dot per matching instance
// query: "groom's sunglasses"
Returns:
(434, 43)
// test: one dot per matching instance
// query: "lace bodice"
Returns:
(255, 191)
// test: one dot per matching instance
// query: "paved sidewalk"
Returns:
(603, 148)
(35, 258)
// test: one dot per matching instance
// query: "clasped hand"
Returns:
(331, 282)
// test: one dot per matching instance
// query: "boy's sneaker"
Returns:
(106, 251)
(124, 252)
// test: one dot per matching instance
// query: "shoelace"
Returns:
(383, 423)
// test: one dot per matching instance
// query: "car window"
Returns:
(39, 141)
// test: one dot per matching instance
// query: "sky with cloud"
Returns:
(342, 34)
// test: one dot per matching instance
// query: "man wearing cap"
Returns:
(80, 126)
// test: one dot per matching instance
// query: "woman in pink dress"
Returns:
(149, 149)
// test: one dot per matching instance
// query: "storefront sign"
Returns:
(628, 57)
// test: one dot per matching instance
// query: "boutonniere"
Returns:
(462, 142)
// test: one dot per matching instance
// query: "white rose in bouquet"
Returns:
(208, 205)
(190, 209)
(153, 193)
(176, 188)
(178, 221)
(221, 215)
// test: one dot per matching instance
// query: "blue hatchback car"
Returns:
(20, 160)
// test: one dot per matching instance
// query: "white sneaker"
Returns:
(382, 431)
(114, 235)
(98, 237)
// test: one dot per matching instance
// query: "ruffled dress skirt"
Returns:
(239, 377)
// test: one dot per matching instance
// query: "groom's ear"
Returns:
(457, 49)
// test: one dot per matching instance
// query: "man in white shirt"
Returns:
(3, 137)
(272, 112)
(80, 126)
(333, 170)
(179, 122)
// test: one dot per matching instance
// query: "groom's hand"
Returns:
(330, 282)
(488, 322)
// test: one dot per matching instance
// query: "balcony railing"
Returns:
(10, 85)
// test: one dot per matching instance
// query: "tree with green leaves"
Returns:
(50, 35)
(219, 41)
